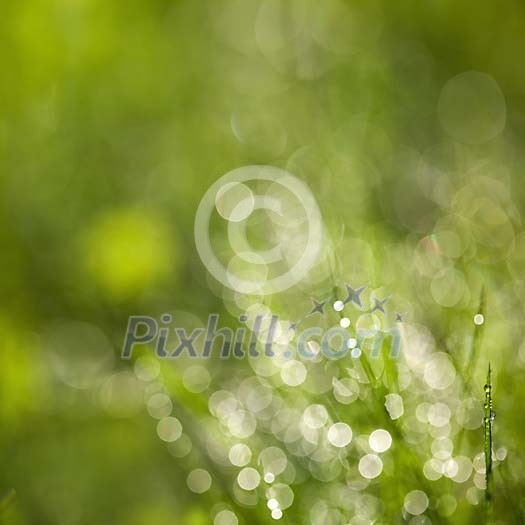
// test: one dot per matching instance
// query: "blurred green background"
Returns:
(406, 121)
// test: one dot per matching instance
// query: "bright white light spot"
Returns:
(356, 352)
(169, 429)
(272, 504)
(269, 477)
(248, 478)
(240, 455)
(394, 405)
(345, 322)
(351, 343)
(479, 319)
(293, 373)
(370, 466)
(416, 502)
(380, 440)
(339, 435)
(338, 306)
(277, 514)
(199, 481)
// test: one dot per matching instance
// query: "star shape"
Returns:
(318, 307)
(399, 317)
(293, 325)
(354, 295)
(379, 304)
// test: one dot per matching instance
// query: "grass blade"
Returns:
(488, 419)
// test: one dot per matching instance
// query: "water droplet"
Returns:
(338, 306)
(479, 319)
(356, 352)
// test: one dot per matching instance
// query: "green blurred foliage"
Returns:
(116, 117)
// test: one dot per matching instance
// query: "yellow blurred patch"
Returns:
(17, 387)
(126, 251)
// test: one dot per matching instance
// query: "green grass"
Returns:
(488, 421)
